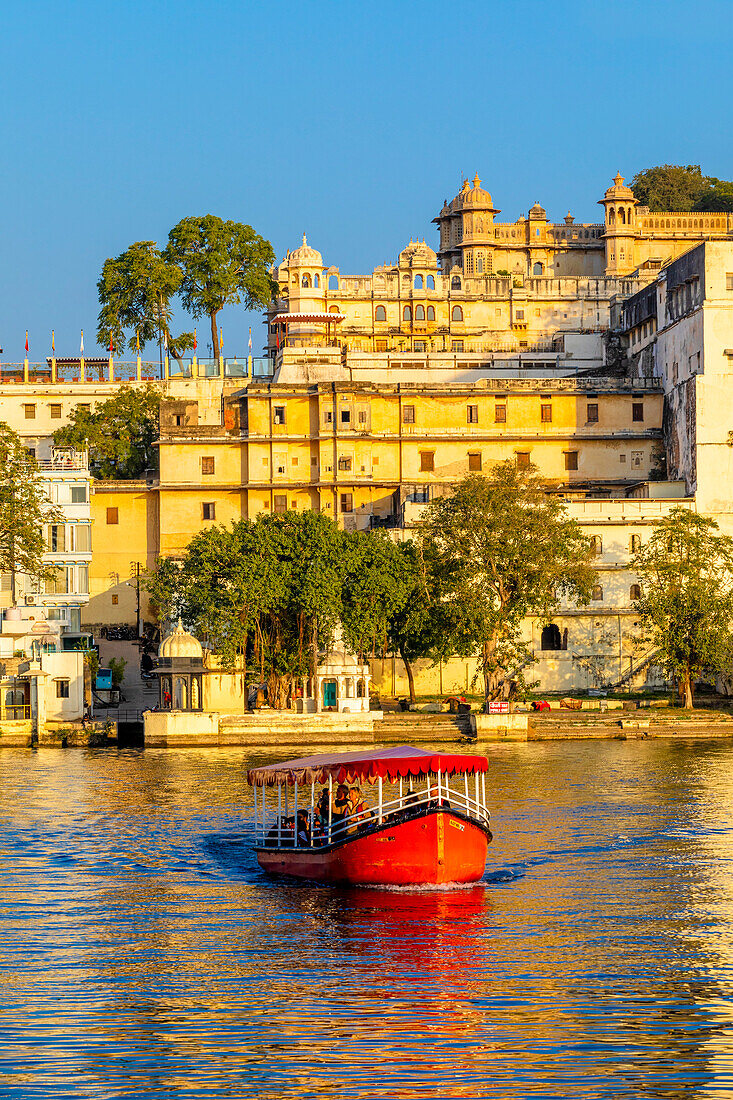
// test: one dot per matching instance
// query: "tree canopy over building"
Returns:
(120, 433)
(677, 187)
(24, 511)
(686, 605)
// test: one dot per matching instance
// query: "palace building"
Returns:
(599, 353)
(491, 287)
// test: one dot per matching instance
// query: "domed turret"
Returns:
(476, 196)
(537, 211)
(305, 256)
(180, 644)
(417, 253)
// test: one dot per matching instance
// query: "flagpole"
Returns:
(82, 370)
(111, 364)
(139, 364)
(53, 356)
(25, 361)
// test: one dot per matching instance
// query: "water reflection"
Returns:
(145, 954)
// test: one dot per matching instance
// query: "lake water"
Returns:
(145, 955)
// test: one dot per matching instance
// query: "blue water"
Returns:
(145, 955)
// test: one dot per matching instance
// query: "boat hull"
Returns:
(430, 849)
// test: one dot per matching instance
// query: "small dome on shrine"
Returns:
(180, 644)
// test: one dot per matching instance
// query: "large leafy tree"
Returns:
(273, 591)
(686, 606)
(422, 627)
(221, 263)
(502, 549)
(120, 433)
(135, 291)
(24, 511)
(379, 578)
(677, 187)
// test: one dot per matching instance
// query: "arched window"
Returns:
(565, 638)
(479, 263)
(457, 314)
(596, 545)
(551, 637)
(455, 283)
(611, 216)
(305, 281)
(418, 282)
(635, 544)
(333, 309)
(380, 314)
(621, 216)
(419, 313)
(597, 593)
(333, 282)
(360, 689)
(407, 313)
(431, 282)
(635, 592)
(537, 269)
(295, 279)
(316, 281)
(431, 313)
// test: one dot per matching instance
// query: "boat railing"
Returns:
(275, 824)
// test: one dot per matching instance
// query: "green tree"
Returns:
(669, 186)
(421, 628)
(221, 263)
(378, 579)
(272, 592)
(686, 606)
(135, 291)
(677, 187)
(24, 511)
(502, 549)
(120, 433)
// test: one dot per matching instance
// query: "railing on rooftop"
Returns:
(125, 371)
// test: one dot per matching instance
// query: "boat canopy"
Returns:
(394, 763)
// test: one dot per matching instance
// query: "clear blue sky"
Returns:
(349, 121)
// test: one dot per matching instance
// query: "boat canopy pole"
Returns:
(330, 798)
(279, 814)
(256, 823)
(313, 806)
(295, 812)
(380, 800)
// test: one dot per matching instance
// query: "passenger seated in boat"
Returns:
(341, 805)
(304, 829)
(358, 809)
(411, 797)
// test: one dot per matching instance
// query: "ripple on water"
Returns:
(146, 954)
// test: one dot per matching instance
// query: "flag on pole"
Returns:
(195, 345)
(137, 342)
(165, 340)
(26, 343)
(111, 345)
(53, 342)
(82, 343)
(250, 340)
(221, 339)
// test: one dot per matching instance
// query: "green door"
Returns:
(329, 693)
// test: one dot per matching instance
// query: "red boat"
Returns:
(428, 823)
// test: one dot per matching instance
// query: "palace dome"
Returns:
(180, 644)
(476, 196)
(537, 211)
(305, 256)
(417, 252)
(619, 190)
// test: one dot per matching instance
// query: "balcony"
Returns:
(65, 458)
